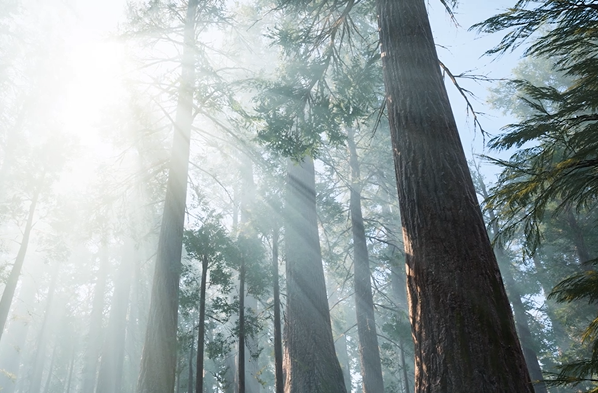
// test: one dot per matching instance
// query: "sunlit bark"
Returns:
(158, 362)
(457, 302)
(310, 361)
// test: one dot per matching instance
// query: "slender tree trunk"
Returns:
(15, 341)
(458, 305)
(521, 318)
(522, 325)
(241, 364)
(94, 341)
(397, 284)
(39, 359)
(69, 378)
(113, 354)
(201, 327)
(13, 278)
(277, 325)
(158, 362)
(371, 369)
(578, 239)
(50, 370)
(190, 385)
(310, 360)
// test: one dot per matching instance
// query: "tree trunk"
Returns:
(241, 365)
(158, 362)
(13, 278)
(92, 352)
(521, 323)
(521, 318)
(50, 370)
(277, 325)
(201, 327)
(113, 353)
(371, 369)
(190, 387)
(310, 360)
(457, 302)
(397, 283)
(15, 340)
(39, 358)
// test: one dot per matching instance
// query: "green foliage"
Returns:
(581, 286)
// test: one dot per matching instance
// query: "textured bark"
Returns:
(158, 362)
(113, 352)
(15, 272)
(371, 369)
(94, 341)
(277, 325)
(463, 329)
(310, 360)
(201, 327)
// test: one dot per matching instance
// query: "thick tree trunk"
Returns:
(465, 339)
(158, 362)
(201, 327)
(94, 341)
(371, 369)
(113, 354)
(15, 272)
(310, 360)
(578, 239)
(50, 370)
(277, 325)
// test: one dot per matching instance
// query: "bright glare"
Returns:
(95, 87)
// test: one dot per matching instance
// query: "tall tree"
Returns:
(158, 362)
(371, 368)
(457, 302)
(310, 360)
(13, 278)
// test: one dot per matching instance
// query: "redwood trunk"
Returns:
(310, 361)
(465, 339)
(371, 368)
(158, 362)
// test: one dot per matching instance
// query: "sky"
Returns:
(459, 49)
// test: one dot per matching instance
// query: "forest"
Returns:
(277, 196)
